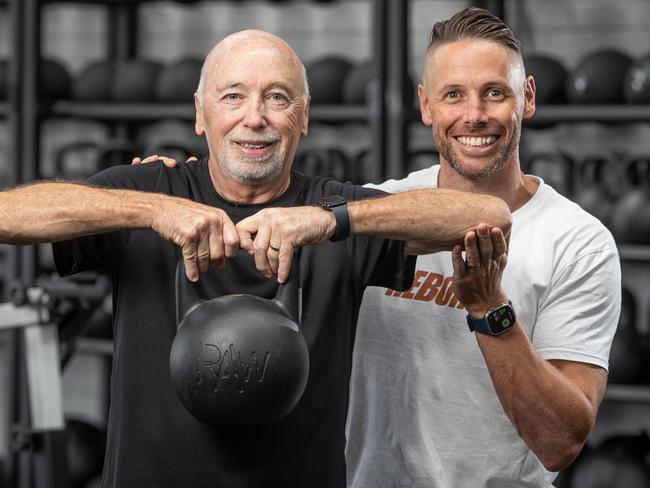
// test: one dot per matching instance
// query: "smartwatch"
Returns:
(339, 207)
(496, 321)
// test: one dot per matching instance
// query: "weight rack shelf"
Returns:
(628, 393)
(140, 112)
(634, 252)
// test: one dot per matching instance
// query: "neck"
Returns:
(509, 183)
(236, 191)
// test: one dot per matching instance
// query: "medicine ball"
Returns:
(326, 77)
(550, 78)
(135, 80)
(357, 81)
(620, 461)
(178, 81)
(94, 82)
(636, 86)
(4, 68)
(54, 81)
(85, 446)
(598, 78)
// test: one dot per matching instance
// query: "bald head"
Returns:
(247, 41)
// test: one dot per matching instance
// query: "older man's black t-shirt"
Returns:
(153, 442)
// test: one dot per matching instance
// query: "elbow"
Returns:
(501, 215)
(560, 459)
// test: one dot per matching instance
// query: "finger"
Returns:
(261, 249)
(245, 229)
(273, 256)
(216, 246)
(191, 158)
(150, 159)
(136, 160)
(285, 259)
(230, 238)
(203, 250)
(484, 240)
(189, 257)
(502, 261)
(169, 162)
(499, 243)
(472, 258)
(457, 261)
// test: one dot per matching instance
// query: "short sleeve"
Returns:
(578, 319)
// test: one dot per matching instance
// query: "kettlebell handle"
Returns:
(288, 297)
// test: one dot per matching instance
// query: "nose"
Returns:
(254, 118)
(475, 111)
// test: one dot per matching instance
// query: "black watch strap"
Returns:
(339, 207)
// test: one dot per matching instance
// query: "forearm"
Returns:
(53, 211)
(549, 411)
(431, 220)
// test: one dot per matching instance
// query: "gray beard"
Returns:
(265, 170)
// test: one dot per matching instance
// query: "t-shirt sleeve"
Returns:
(578, 319)
(102, 252)
(377, 261)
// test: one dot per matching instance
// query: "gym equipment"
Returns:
(54, 80)
(85, 447)
(630, 222)
(94, 82)
(620, 461)
(591, 193)
(550, 78)
(627, 358)
(555, 168)
(357, 83)
(4, 67)
(81, 159)
(135, 80)
(598, 78)
(178, 81)
(326, 77)
(239, 359)
(636, 85)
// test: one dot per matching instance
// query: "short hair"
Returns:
(473, 23)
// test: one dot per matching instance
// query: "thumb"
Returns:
(246, 229)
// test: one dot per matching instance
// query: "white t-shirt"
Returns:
(423, 411)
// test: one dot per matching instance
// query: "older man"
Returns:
(252, 106)
(511, 399)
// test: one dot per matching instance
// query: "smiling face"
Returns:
(253, 108)
(475, 96)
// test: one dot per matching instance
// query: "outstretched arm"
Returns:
(55, 211)
(429, 220)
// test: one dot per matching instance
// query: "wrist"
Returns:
(478, 310)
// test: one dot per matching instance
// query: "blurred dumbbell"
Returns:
(79, 160)
(178, 81)
(330, 162)
(636, 85)
(598, 78)
(326, 77)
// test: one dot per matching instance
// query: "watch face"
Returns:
(501, 319)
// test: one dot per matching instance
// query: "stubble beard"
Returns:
(252, 171)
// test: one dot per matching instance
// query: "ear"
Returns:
(425, 112)
(305, 126)
(529, 97)
(198, 121)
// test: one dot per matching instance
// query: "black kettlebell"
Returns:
(620, 461)
(239, 359)
(591, 194)
(631, 214)
(555, 168)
